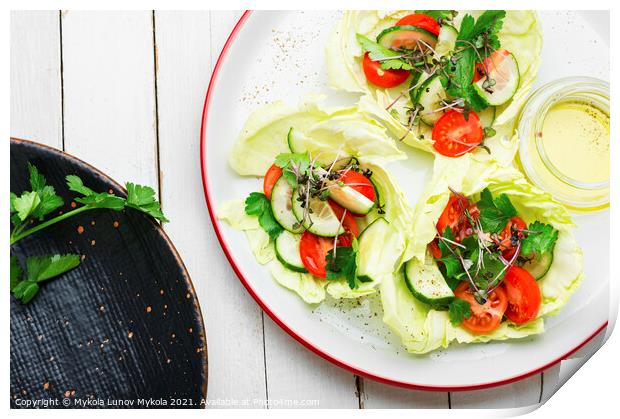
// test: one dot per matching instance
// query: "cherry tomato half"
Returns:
(360, 183)
(453, 135)
(348, 222)
(422, 21)
(313, 251)
(380, 77)
(271, 177)
(523, 293)
(484, 317)
(453, 214)
(514, 227)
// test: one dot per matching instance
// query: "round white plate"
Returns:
(280, 56)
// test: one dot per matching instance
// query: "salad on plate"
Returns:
(484, 255)
(440, 80)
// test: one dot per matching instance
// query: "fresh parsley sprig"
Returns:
(28, 212)
(258, 205)
(390, 59)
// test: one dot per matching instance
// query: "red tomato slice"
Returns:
(524, 296)
(350, 225)
(271, 177)
(489, 63)
(313, 251)
(514, 225)
(484, 317)
(433, 247)
(421, 21)
(453, 214)
(453, 135)
(380, 77)
(360, 183)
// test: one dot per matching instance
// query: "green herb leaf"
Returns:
(49, 202)
(389, 58)
(13, 198)
(37, 180)
(540, 239)
(458, 311)
(103, 200)
(495, 213)
(451, 263)
(26, 204)
(343, 266)
(143, 199)
(42, 268)
(25, 291)
(257, 204)
(291, 163)
(76, 185)
(16, 272)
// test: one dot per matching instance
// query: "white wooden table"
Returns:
(124, 91)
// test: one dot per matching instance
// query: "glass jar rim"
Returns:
(533, 114)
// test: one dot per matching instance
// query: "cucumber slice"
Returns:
(487, 117)
(282, 206)
(287, 251)
(351, 199)
(297, 142)
(321, 221)
(505, 73)
(446, 40)
(406, 37)
(539, 265)
(430, 95)
(417, 80)
(426, 283)
(379, 248)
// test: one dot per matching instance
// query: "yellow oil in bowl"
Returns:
(564, 141)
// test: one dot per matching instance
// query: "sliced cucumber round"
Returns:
(321, 219)
(406, 37)
(297, 142)
(375, 261)
(427, 284)
(287, 251)
(539, 265)
(502, 82)
(431, 95)
(351, 199)
(282, 206)
(446, 40)
(487, 117)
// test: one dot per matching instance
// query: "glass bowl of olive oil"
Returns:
(564, 141)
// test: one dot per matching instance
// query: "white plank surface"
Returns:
(136, 114)
(109, 92)
(232, 321)
(36, 103)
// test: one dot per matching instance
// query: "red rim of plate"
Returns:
(280, 322)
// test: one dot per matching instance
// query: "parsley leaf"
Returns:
(343, 266)
(75, 184)
(37, 180)
(257, 204)
(389, 58)
(141, 198)
(292, 163)
(49, 202)
(458, 311)
(495, 213)
(16, 272)
(25, 204)
(451, 263)
(540, 239)
(39, 269)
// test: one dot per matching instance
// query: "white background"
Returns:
(137, 118)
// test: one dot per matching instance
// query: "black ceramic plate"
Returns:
(125, 325)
